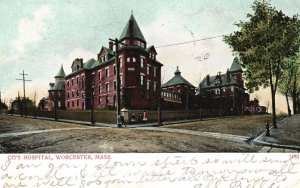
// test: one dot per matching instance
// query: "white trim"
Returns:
(142, 74)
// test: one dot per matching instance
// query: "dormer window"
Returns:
(102, 58)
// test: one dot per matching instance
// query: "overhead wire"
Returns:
(191, 41)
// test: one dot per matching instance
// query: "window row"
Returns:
(78, 81)
(142, 78)
(170, 95)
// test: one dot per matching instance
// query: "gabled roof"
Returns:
(152, 49)
(177, 80)
(213, 80)
(106, 50)
(136, 32)
(236, 65)
(61, 73)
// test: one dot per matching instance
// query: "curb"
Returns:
(257, 141)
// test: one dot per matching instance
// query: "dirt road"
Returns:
(24, 135)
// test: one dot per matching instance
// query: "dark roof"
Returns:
(177, 80)
(236, 65)
(107, 50)
(61, 73)
(152, 49)
(214, 79)
(90, 64)
(58, 86)
(136, 32)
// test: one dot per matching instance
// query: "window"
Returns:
(72, 103)
(154, 86)
(120, 61)
(148, 69)
(107, 72)
(82, 95)
(107, 99)
(155, 72)
(68, 95)
(115, 69)
(68, 83)
(100, 88)
(82, 82)
(133, 60)
(148, 85)
(73, 94)
(77, 80)
(77, 102)
(99, 100)
(102, 59)
(120, 80)
(107, 87)
(142, 80)
(232, 88)
(128, 59)
(72, 82)
(68, 104)
(59, 104)
(99, 75)
(142, 61)
(115, 85)
(77, 92)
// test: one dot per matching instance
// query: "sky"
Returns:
(38, 36)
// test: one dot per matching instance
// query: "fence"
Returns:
(110, 116)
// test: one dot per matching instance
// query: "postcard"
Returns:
(149, 93)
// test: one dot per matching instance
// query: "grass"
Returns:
(245, 126)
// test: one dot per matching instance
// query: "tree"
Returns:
(288, 84)
(262, 43)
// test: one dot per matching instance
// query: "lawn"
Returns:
(246, 126)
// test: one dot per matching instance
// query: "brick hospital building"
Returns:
(94, 82)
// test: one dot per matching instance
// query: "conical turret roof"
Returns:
(135, 33)
(236, 65)
(61, 73)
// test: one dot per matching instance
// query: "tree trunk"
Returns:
(288, 104)
(273, 107)
(294, 96)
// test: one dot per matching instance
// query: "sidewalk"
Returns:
(286, 136)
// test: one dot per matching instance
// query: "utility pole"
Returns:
(116, 43)
(220, 87)
(20, 106)
(93, 98)
(24, 80)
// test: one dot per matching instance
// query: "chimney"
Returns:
(111, 45)
(81, 62)
(207, 80)
(228, 75)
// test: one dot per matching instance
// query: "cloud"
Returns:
(30, 30)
